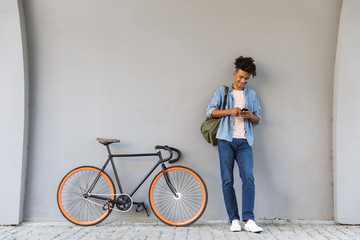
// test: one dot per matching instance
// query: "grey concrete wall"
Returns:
(346, 131)
(145, 72)
(13, 112)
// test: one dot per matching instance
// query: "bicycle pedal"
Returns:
(106, 206)
(141, 207)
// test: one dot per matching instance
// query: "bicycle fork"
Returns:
(168, 182)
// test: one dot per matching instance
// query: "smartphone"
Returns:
(244, 109)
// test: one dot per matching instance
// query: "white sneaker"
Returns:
(251, 226)
(235, 226)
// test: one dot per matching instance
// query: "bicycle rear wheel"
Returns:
(78, 208)
(190, 202)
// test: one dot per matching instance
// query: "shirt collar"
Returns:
(232, 88)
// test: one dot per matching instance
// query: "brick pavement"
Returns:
(200, 230)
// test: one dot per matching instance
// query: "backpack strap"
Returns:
(226, 93)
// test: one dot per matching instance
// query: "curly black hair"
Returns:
(246, 64)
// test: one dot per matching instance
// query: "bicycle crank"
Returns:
(124, 202)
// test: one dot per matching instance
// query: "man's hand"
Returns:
(245, 114)
(248, 115)
(235, 112)
(222, 113)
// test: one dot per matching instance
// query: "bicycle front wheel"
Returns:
(73, 202)
(189, 203)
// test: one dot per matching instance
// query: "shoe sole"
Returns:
(254, 231)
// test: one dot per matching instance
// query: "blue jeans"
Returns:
(241, 151)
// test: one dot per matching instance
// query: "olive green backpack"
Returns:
(211, 125)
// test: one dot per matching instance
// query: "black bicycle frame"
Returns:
(110, 159)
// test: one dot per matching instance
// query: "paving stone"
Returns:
(198, 231)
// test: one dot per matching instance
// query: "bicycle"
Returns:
(177, 195)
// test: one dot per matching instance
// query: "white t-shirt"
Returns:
(239, 123)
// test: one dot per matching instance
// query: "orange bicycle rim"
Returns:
(60, 193)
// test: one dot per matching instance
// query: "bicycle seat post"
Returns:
(108, 149)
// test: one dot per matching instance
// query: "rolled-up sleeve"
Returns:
(214, 103)
(257, 109)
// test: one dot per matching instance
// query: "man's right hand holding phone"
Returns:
(235, 112)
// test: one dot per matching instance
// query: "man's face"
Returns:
(241, 79)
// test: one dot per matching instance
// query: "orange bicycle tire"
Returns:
(76, 174)
(201, 193)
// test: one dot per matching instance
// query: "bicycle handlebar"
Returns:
(170, 150)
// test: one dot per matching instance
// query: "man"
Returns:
(235, 140)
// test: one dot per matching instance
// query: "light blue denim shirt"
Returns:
(225, 131)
